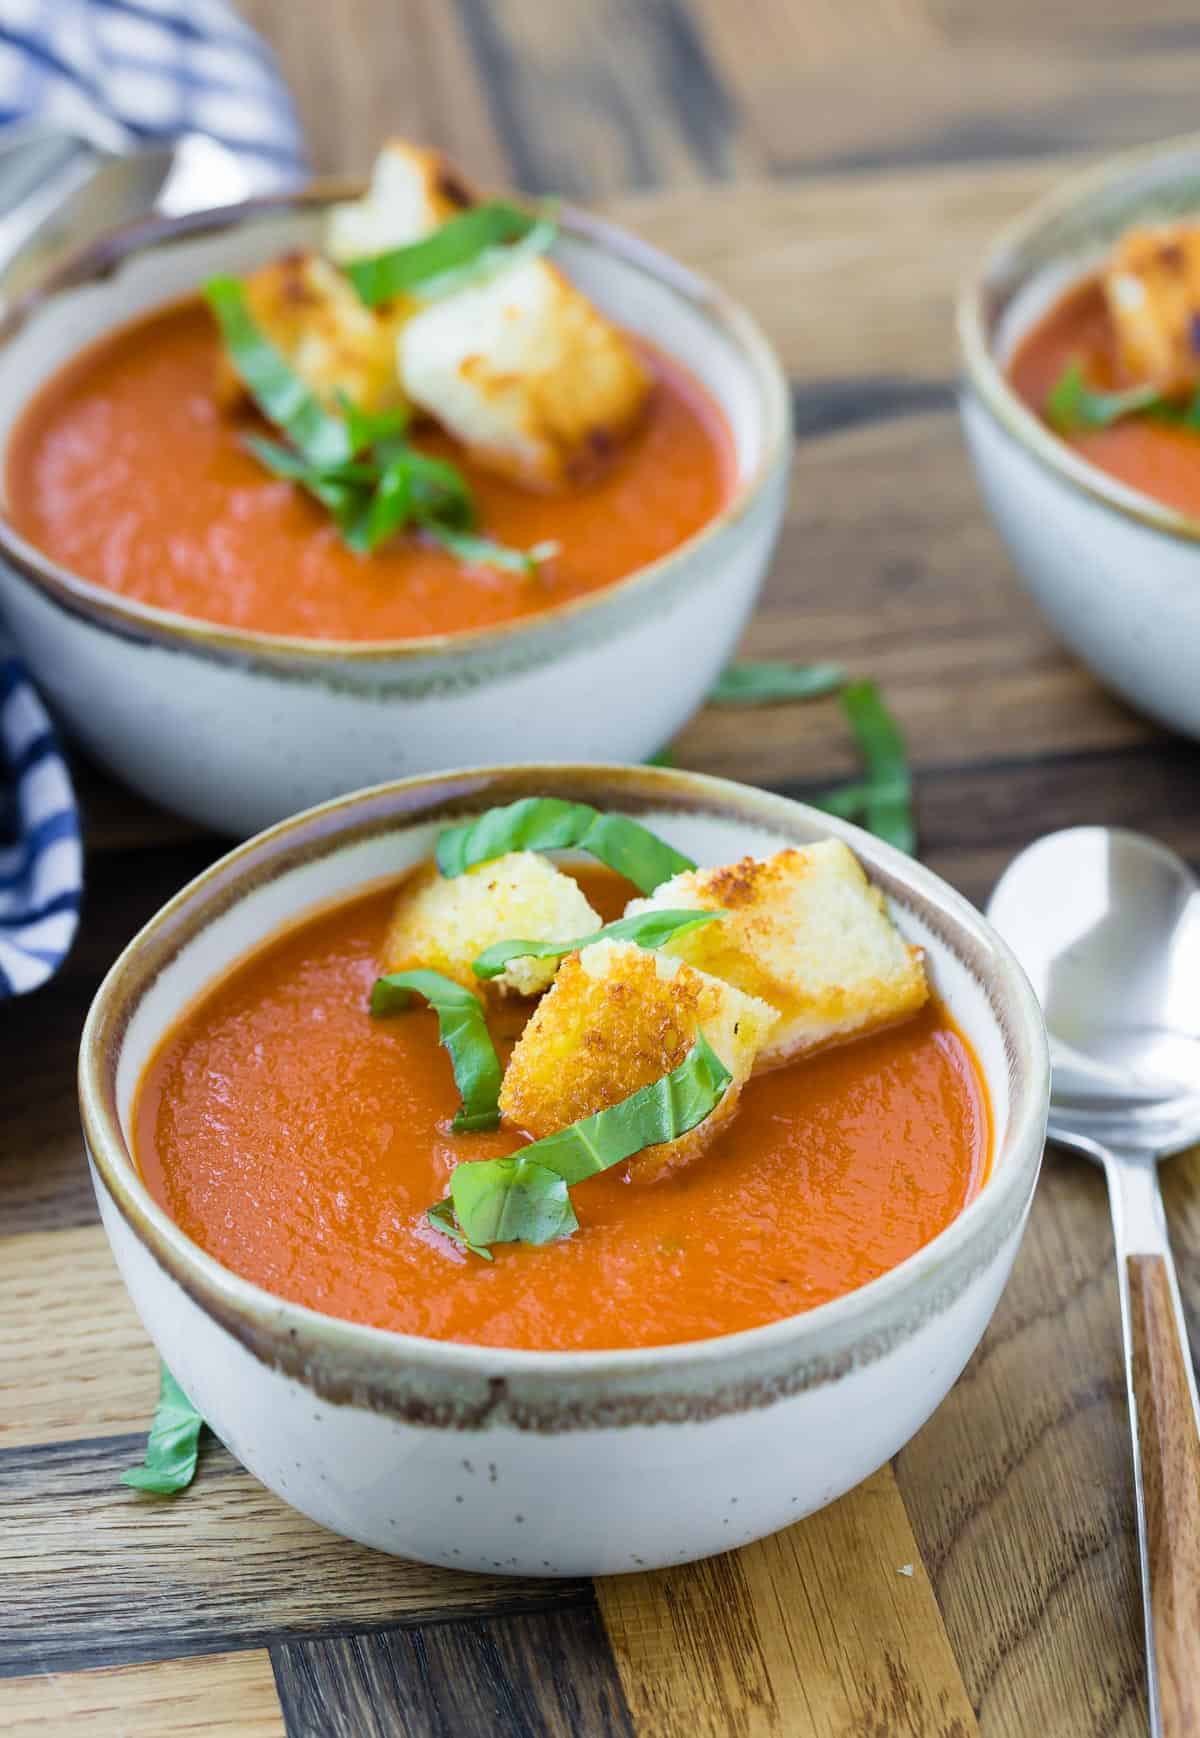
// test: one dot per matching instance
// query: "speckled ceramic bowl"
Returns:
(237, 729)
(551, 1462)
(1117, 572)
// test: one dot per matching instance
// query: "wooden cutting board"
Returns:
(986, 1581)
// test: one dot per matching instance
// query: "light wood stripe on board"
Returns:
(828, 1628)
(221, 1696)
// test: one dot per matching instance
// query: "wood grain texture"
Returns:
(229, 1566)
(826, 1629)
(223, 1696)
(1020, 1494)
(544, 1674)
(74, 1358)
(1170, 1462)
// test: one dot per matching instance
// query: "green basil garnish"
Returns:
(280, 394)
(768, 682)
(462, 1029)
(1074, 407)
(523, 1199)
(648, 929)
(368, 477)
(463, 247)
(172, 1445)
(552, 824)
(883, 800)
(485, 552)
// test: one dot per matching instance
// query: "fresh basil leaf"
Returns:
(365, 428)
(464, 245)
(664, 757)
(662, 1111)
(280, 394)
(441, 1217)
(767, 683)
(512, 1200)
(552, 824)
(462, 1029)
(390, 506)
(648, 928)
(882, 801)
(479, 551)
(172, 1445)
(441, 494)
(1074, 407)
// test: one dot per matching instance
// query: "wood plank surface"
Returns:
(839, 166)
(221, 1695)
(831, 1627)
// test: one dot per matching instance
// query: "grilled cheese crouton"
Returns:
(805, 931)
(1152, 287)
(312, 314)
(526, 373)
(617, 1018)
(446, 924)
(413, 190)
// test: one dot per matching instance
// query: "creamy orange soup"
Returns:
(1159, 459)
(300, 1142)
(124, 470)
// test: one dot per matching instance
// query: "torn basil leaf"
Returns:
(882, 801)
(514, 1200)
(769, 682)
(476, 551)
(553, 824)
(648, 928)
(172, 1445)
(283, 398)
(462, 1029)
(473, 243)
(1074, 407)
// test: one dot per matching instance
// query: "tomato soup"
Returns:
(124, 470)
(300, 1143)
(1155, 457)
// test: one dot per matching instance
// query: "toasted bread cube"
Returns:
(446, 924)
(312, 314)
(413, 190)
(526, 373)
(805, 931)
(1152, 287)
(617, 1018)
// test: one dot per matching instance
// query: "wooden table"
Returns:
(836, 164)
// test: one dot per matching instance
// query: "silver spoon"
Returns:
(1107, 925)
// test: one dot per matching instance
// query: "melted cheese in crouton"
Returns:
(1152, 287)
(617, 1018)
(806, 932)
(413, 190)
(526, 373)
(312, 314)
(446, 924)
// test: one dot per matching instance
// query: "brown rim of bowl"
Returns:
(989, 381)
(288, 1335)
(101, 258)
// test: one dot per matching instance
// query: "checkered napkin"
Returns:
(121, 73)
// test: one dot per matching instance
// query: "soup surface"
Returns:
(124, 470)
(300, 1143)
(1161, 460)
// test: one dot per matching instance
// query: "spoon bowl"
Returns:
(1107, 926)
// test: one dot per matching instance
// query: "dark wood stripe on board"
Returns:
(161, 1580)
(547, 1674)
(825, 407)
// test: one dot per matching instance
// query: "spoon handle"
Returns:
(1166, 1446)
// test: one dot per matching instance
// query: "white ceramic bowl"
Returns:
(238, 729)
(1117, 572)
(550, 1462)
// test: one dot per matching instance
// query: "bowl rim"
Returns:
(279, 1330)
(104, 256)
(992, 386)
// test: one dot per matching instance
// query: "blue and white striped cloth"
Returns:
(119, 73)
